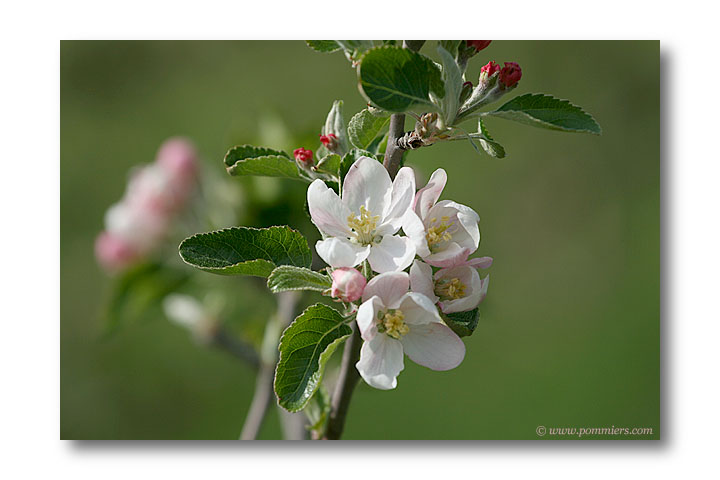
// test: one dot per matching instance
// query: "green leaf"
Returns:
(287, 277)
(365, 126)
(323, 46)
(463, 323)
(545, 111)
(305, 347)
(248, 160)
(490, 146)
(329, 164)
(317, 411)
(452, 77)
(450, 45)
(395, 78)
(246, 251)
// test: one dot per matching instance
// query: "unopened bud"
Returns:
(510, 74)
(304, 158)
(179, 158)
(478, 44)
(113, 252)
(348, 284)
(329, 141)
(487, 72)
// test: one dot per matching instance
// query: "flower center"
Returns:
(438, 232)
(363, 226)
(450, 289)
(392, 323)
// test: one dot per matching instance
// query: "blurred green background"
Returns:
(569, 334)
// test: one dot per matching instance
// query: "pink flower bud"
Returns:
(178, 157)
(328, 140)
(303, 157)
(348, 284)
(510, 74)
(478, 44)
(113, 252)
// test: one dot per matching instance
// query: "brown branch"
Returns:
(346, 382)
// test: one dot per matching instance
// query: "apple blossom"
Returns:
(348, 284)
(455, 289)
(393, 322)
(113, 252)
(189, 313)
(510, 74)
(363, 222)
(444, 233)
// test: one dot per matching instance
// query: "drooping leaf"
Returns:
(453, 81)
(287, 277)
(463, 323)
(317, 411)
(488, 144)
(323, 46)
(545, 111)
(395, 78)
(246, 251)
(305, 347)
(365, 126)
(267, 162)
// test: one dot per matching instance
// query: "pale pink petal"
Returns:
(381, 361)
(415, 229)
(367, 183)
(421, 280)
(366, 317)
(390, 287)
(327, 211)
(480, 262)
(403, 191)
(418, 309)
(428, 195)
(393, 253)
(434, 346)
(339, 252)
(464, 230)
(452, 255)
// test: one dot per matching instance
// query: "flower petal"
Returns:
(381, 361)
(339, 252)
(327, 211)
(393, 253)
(421, 280)
(434, 346)
(474, 294)
(366, 317)
(418, 309)
(428, 195)
(480, 262)
(415, 229)
(452, 255)
(367, 183)
(390, 287)
(403, 191)
(466, 232)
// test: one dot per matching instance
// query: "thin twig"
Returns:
(268, 357)
(346, 382)
(242, 350)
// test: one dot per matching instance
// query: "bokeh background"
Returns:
(569, 334)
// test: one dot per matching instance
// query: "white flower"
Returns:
(445, 233)
(455, 289)
(362, 225)
(393, 321)
(141, 228)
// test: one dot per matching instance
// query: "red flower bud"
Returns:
(510, 74)
(328, 139)
(478, 44)
(303, 157)
(490, 69)
(467, 85)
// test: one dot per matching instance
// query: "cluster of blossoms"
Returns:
(156, 193)
(399, 310)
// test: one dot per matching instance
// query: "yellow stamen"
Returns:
(450, 289)
(438, 233)
(363, 225)
(393, 324)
